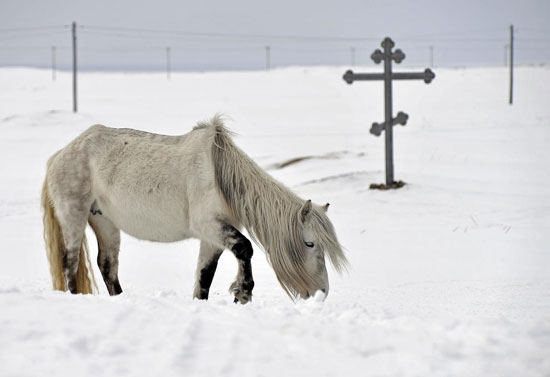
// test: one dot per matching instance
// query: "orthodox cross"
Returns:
(387, 56)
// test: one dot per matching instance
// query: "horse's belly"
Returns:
(147, 221)
(158, 231)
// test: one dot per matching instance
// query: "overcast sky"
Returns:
(206, 35)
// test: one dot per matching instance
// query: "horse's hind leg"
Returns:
(108, 244)
(206, 268)
(72, 220)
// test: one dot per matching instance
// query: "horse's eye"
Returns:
(309, 244)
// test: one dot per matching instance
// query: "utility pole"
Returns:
(352, 56)
(53, 63)
(511, 64)
(168, 63)
(75, 106)
(431, 56)
(506, 54)
(267, 58)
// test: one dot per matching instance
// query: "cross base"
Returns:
(382, 186)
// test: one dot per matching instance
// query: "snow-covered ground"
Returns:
(450, 276)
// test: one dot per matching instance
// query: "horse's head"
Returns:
(302, 271)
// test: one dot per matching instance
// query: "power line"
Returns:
(27, 48)
(298, 46)
(123, 31)
(223, 35)
(34, 28)
(23, 36)
(156, 33)
(453, 39)
(547, 32)
(134, 36)
(144, 33)
(173, 47)
(454, 33)
(193, 36)
(319, 50)
(534, 40)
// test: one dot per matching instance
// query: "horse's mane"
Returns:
(269, 211)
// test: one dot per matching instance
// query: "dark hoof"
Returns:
(242, 296)
(201, 294)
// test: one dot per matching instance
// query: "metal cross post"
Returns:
(387, 56)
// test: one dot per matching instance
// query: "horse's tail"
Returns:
(55, 246)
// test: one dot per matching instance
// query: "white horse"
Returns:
(170, 188)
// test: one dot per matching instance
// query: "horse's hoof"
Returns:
(242, 297)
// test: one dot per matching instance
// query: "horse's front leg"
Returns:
(242, 248)
(206, 268)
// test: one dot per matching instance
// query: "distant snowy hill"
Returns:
(450, 275)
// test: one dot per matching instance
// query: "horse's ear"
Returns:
(325, 207)
(305, 211)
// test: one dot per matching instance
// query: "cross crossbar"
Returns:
(427, 76)
(387, 56)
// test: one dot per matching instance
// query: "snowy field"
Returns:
(450, 276)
